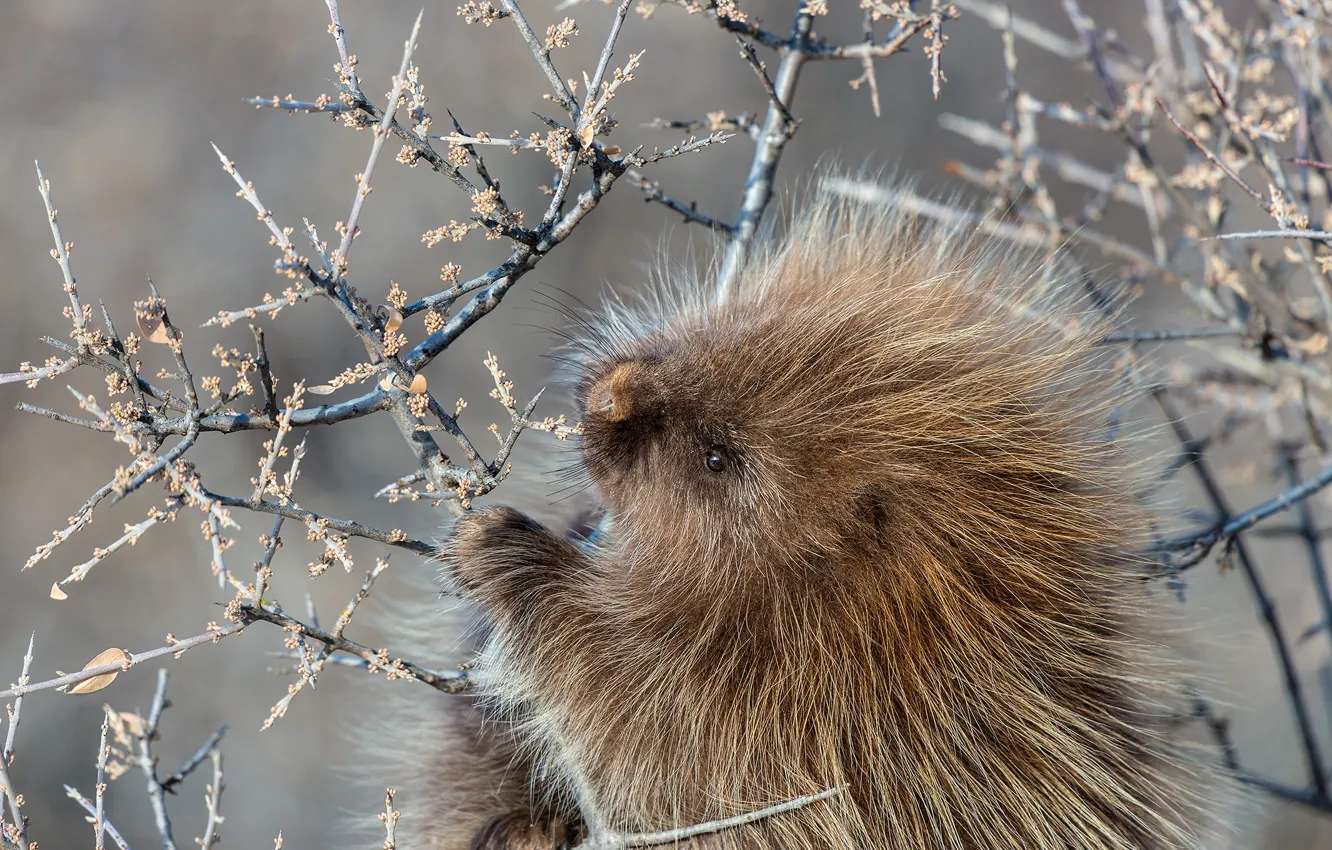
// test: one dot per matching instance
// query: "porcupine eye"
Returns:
(715, 459)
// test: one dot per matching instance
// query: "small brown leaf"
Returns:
(391, 317)
(96, 683)
(321, 389)
(418, 385)
(57, 593)
(153, 328)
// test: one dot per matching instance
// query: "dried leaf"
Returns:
(153, 328)
(96, 683)
(586, 133)
(321, 389)
(391, 317)
(418, 385)
(386, 382)
(57, 593)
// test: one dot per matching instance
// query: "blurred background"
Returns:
(120, 101)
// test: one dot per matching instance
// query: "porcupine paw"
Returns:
(487, 540)
(518, 831)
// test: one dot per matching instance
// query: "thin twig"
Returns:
(99, 814)
(343, 526)
(594, 97)
(1214, 159)
(20, 820)
(789, 123)
(390, 820)
(1287, 233)
(176, 647)
(61, 255)
(448, 681)
(352, 226)
(559, 88)
(1266, 608)
(777, 131)
(214, 797)
(998, 16)
(145, 734)
(348, 68)
(652, 193)
(169, 784)
(675, 836)
(1194, 549)
(90, 808)
(7, 751)
(1308, 532)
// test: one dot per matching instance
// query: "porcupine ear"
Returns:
(619, 394)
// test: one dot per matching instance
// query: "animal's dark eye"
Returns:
(715, 459)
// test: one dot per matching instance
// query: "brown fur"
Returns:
(915, 575)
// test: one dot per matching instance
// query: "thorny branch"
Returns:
(16, 829)
(779, 125)
(1266, 608)
(174, 647)
(448, 681)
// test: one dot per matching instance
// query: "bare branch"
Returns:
(390, 820)
(18, 831)
(777, 131)
(1193, 550)
(789, 123)
(652, 192)
(447, 681)
(214, 797)
(674, 836)
(346, 66)
(173, 647)
(7, 752)
(99, 813)
(1215, 160)
(997, 15)
(1266, 609)
(1316, 235)
(61, 255)
(560, 89)
(91, 808)
(352, 225)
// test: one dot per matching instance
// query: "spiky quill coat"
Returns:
(863, 529)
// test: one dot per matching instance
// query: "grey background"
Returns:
(120, 100)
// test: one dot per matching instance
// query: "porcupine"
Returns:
(862, 528)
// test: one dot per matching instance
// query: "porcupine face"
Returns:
(730, 431)
(667, 442)
(878, 379)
